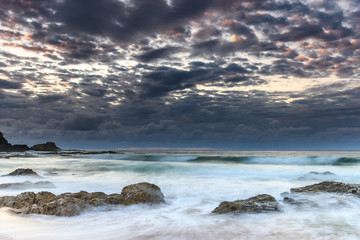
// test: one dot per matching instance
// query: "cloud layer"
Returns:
(180, 73)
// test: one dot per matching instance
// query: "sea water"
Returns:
(194, 182)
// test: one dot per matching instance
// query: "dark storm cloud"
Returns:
(233, 67)
(124, 22)
(160, 83)
(157, 53)
(256, 19)
(95, 92)
(163, 81)
(207, 32)
(299, 33)
(50, 98)
(9, 84)
(83, 122)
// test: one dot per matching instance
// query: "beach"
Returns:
(194, 182)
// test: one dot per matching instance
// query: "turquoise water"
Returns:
(194, 183)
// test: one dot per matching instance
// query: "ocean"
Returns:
(194, 182)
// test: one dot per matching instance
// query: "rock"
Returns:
(19, 148)
(305, 196)
(5, 146)
(318, 176)
(48, 146)
(23, 172)
(3, 140)
(27, 185)
(142, 193)
(329, 187)
(71, 204)
(301, 202)
(257, 204)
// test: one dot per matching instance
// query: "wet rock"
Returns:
(20, 201)
(71, 204)
(142, 193)
(48, 146)
(301, 202)
(23, 172)
(27, 185)
(290, 200)
(329, 187)
(318, 176)
(257, 204)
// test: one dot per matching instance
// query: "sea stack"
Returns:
(48, 146)
(5, 146)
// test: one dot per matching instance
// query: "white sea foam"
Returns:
(192, 191)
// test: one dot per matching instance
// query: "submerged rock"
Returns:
(27, 185)
(329, 187)
(257, 204)
(23, 172)
(300, 202)
(48, 146)
(142, 193)
(318, 176)
(71, 204)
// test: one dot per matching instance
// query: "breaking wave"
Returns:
(267, 160)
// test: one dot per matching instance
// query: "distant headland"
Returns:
(5, 146)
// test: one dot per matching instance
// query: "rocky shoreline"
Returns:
(5, 146)
(72, 204)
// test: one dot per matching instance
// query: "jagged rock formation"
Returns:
(71, 204)
(23, 172)
(3, 141)
(5, 146)
(257, 204)
(299, 198)
(329, 187)
(48, 146)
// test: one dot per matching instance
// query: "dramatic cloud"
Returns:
(181, 73)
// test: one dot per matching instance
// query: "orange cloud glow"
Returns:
(236, 38)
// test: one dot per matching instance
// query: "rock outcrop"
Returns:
(142, 193)
(329, 187)
(5, 146)
(27, 185)
(3, 141)
(48, 146)
(257, 204)
(71, 204)
(299, 198)
(23, 172)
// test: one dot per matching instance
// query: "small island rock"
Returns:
(5, 146)
(48, 146)
(23, 172)
(257, 204)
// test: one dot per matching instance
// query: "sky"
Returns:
(229, 74)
